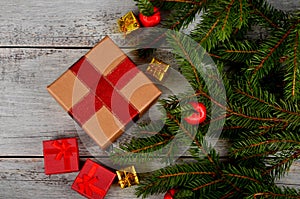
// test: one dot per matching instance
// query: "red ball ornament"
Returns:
(198, 116)
(150, 21)
(170, 194)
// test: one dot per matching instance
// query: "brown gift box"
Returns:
(103, 91)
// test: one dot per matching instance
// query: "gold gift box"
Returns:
(127, 177)
(128, 23)
(157, 69)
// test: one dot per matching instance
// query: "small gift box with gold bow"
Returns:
(93, 181)
(128, 23)
(127, 177)
(157, 69)
(61, 156)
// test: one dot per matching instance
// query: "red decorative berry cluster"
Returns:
(150, 21)
(170, 194)
(199, 114)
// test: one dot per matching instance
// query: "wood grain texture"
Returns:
(69, 22)
(39, 40)
(28, 113)
(59, 23)
(286, 5)
(25, 178)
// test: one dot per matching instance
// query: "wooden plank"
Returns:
(59, 23)
(69, 22)
(25, 178)
(28, 114)
(286, 5)
(292, 179)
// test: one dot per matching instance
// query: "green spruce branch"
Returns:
(262, 123)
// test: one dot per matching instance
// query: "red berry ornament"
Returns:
(199, 116)
(170, 194)
(150, 21)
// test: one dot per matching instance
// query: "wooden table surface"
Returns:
(39, 40)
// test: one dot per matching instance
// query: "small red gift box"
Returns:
(61, 156)
(93, 181)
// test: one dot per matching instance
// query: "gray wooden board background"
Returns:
(39, 40)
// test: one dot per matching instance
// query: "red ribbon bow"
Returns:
(63, 149)
(86, 183)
